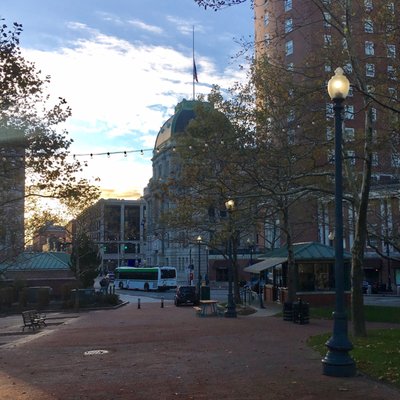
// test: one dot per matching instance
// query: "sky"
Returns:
(122, 66)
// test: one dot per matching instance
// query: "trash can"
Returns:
(301, 312)
(205, 293)
(287, 311)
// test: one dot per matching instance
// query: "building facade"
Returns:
(309, 39)
(118, 228)
(12, 194)
(165, 246)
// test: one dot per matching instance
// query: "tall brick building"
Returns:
(310, 38)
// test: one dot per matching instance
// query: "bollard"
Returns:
(162, 302)
(138, 303)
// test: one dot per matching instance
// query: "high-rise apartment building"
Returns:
(310, 39)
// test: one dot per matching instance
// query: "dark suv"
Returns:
(186, 295)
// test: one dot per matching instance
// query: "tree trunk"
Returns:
(357, 300)
(236, 288)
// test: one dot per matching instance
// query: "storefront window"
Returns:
(314, 277)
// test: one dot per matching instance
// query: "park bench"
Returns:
(32, 319)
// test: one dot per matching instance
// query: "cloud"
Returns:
(185, 26)
(146, 27)
(121, 92)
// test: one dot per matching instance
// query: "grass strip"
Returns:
(377, 355)
(372, 313)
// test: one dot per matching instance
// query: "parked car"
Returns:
(186, 295)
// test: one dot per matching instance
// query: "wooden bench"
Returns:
(33, 319)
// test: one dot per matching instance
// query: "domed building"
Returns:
(164, 246)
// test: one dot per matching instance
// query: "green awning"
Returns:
(265, 264)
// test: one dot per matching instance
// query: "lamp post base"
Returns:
(230, 313)
(337, 361)
(338, 364)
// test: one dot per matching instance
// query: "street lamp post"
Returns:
(198, 271)
(231, 309)
(337, 361)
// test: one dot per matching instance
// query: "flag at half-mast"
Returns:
(195, 71)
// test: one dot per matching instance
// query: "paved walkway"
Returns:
(170, 353)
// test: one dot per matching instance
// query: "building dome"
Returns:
(184, 112)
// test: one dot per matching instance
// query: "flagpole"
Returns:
(193, 74)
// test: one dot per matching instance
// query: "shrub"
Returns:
(106, 298)
(112, 299)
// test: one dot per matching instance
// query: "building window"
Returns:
(327, 40)
(289, 47)
(266, 19)
(327, 20)
(291, 136)
(375, 159)
(391, 71)
(370, 89)
(368, 26)
(329, 133)
(288, 5)
(288, 25)
(290, 67)
(348, 68)
(374, 136)
(391, 50)
(344, 43)
(369, 48)
(348, 134)
(349, 112)
(392, 93)
(328, 68)
(351, 156)
(351, 92)
(374, 114)
(370, 70)
(395, 160)
(329, 110)
(368, 5)
(331, 156)
(390, 7)
(291, 116)
(267, 38)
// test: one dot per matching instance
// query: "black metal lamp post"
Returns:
(231, 309)
(337, 361)
(198, 269)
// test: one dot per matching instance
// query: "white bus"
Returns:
(148, 278)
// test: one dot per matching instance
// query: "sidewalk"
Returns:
(170, 353)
